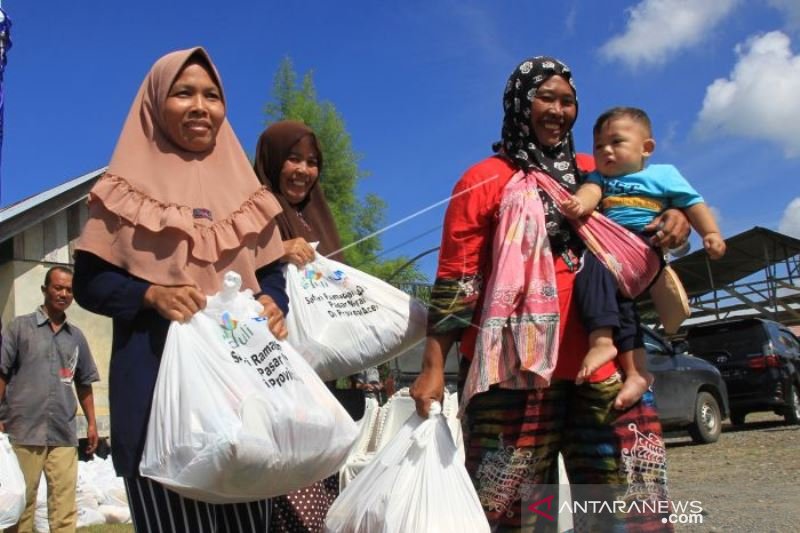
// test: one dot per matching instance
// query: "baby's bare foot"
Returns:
(632, 390)
(597, 356)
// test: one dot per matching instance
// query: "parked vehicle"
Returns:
(689, 392)
(405, 369)
(760, 362)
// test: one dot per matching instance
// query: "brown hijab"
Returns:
(311, 219)
(174, 217)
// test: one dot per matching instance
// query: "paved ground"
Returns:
(748, 481)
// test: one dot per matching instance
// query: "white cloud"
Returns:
(791, 9)
(569, 20)
(658, 29)
(790, 222)
(667, 140)
(480, 24)
(759, 99)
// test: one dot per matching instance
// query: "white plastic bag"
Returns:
(343, 320)
(86, 503)
(417, 482)
(12, 485)
(382, 423)
(237, 415)
(100, 472)
(115, 514)
(86, 517)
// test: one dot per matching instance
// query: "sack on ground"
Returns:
(86, 516)
(343, 320)
(237, 415)
(99, 497)
(417, 482)
(100, 474)
(12, 485)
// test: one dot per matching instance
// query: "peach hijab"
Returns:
(173, 217)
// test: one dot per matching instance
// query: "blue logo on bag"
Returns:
(337, 275)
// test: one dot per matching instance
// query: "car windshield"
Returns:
(733, 338)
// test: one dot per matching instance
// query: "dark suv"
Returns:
(760, 362)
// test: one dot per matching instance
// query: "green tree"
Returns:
(356, 219)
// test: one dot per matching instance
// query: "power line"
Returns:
(413, 215)
(408, 241)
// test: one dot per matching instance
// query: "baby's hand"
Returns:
(572, 208)
(714, 245)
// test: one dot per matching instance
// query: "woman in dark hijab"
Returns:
(289, 163)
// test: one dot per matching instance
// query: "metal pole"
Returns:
(712, 286)
(771, 286)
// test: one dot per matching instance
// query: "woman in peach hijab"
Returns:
(178, 207)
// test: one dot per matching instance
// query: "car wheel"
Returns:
(792, 415)
(707, 423)
(737, 417)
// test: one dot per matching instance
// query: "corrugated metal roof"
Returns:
(22, 215)
(755, 251)
(748, 252)
(9, 212)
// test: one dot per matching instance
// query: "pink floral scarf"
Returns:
(632, 262)
(518, 342)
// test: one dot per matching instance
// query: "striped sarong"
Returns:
(513, 437)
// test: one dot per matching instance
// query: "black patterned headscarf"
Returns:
(519, 144)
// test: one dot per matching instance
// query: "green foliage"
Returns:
(355, 218)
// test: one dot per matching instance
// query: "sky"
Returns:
(419, 86)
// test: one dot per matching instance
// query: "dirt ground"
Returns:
(747, 481)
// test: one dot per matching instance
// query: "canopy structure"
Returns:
(759, 276)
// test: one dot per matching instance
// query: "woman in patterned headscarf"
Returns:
(504, 289)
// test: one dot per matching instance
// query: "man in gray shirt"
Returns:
(42, 356)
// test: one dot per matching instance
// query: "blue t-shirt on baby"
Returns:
(634, 199)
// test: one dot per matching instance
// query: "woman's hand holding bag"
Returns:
(343, 320)
(237, 415)
(417, 482)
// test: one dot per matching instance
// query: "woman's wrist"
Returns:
(148, 298)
